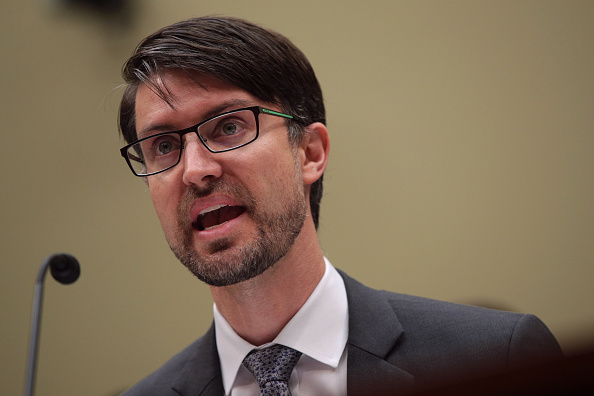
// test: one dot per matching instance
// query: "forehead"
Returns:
(190, 99)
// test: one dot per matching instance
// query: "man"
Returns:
(225, 122)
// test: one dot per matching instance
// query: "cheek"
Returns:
(285, 180)
(165, 205)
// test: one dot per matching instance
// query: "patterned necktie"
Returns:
(272, 368)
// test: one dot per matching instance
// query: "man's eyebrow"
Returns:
(154, 129)
(229, 105)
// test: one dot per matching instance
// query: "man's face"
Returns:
(227, 216)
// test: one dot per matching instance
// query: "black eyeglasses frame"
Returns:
(257, 110)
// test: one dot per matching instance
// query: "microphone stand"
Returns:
(65, 269)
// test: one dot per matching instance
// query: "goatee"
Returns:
(226, 263)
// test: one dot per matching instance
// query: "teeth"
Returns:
(210, 209)
(214, 226)
(215, 216)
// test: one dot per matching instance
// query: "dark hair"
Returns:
(257, 60)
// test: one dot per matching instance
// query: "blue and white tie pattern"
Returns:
(272, 368)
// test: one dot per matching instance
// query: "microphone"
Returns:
(64, 269)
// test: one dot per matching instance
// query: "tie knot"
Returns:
(271, 365)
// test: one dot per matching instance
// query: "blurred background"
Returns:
(461, 169)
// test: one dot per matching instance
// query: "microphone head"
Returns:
(64, 268)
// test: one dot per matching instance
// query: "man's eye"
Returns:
(229, 129)
(164, 146)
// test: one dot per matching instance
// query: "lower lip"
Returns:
(222, 230)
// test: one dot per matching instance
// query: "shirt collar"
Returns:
(319, 329)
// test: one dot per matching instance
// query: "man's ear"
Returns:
(313, 152)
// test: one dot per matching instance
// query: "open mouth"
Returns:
(216, 216)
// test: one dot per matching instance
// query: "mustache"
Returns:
(194, 192)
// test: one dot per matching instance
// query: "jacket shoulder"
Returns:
(160, 381)
(444, 340)
(439, 339)
(199, 358)
(469, 327)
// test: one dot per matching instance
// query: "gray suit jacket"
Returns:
(397, 342)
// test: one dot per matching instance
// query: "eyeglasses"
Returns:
(224, 132)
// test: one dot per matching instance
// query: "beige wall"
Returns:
(461, 169)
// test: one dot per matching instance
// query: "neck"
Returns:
(258, 309)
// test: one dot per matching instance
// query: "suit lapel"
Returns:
(201, 375)
(374, 331)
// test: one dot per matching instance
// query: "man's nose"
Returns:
(200, 165)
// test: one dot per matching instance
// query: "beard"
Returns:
(225, 263)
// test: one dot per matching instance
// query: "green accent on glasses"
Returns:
(275, 113)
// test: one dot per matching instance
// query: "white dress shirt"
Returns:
(319, 330)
